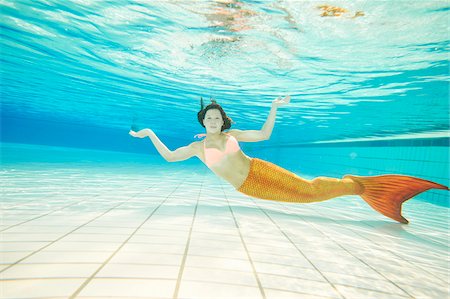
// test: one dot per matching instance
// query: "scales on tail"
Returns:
(387, 193)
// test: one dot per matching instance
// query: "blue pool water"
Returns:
(369, 82)
(81, 73)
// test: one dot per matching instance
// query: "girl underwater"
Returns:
(221, 153)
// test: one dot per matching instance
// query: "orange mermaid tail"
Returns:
(387, 193)
(384, 193)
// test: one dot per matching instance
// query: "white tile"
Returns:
(277, 294)
(39, 229)
(138, 271)
(13, 256)
(325, 254)
(381, 258)
(95, 230)
(271, 236)
(298, 260)
(233, 253)
(152, 231)
(61, 257)
(169, 220)
(357, 269)
(26, 237)
(289, 271)
(219, 276)
(99, 237)
(356, 293)
(416, 278)
(21, 271)
(260, 248)
(158, 239)
(380, 285)
(219, 263)
(40, 288)
(4, 266)
(234, 238)
(298, 285)
(208, 290)
(21, 246)
(124, 257)
(441, 272)
(129, 288)
(427, 293)
(216, 244)
(214, 228)
(153, 248)
(84, 246)
(179, 228)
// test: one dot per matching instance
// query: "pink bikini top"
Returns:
(214, 155)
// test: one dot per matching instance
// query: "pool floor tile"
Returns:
(39, 288)
(186, 234)
(208, 290)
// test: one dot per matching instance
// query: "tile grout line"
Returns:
(404, 260)
(382, 170)
(41, 198)
(51, 212)
(358, 233)
(65, 235)
(207, 281)
(368, 265)
(198, 267)
(299, 250)
(19, 205)
(362, 261)
(89, 279)
(186, 250)
(349, 252)
(398, 256)
(255, 273)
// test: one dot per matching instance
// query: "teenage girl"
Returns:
(220, 151)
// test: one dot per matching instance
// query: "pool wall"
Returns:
(336, 160)
(429, 162)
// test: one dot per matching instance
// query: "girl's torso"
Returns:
(225, 159)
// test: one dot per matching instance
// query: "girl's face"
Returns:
(213, 121)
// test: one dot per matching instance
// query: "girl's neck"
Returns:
(214, 136)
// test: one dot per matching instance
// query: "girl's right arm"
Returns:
(179, 154)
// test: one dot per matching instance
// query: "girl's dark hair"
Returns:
(201, 114)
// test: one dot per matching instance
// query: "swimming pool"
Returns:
(87, 211)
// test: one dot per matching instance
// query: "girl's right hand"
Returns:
(140, 134)
(280, 101)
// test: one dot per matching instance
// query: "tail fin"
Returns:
(387, 193)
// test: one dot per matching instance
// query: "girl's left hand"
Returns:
(140, 134)
(280, 101)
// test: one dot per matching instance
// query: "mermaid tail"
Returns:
(387, 193)
(269, 181)
(384, 193)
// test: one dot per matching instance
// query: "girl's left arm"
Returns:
(266, 130)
